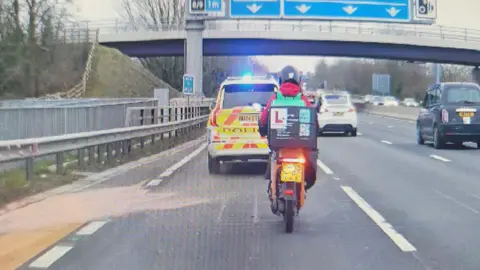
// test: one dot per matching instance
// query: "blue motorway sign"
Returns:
(213, 6)
(357, 10)
(188, 85)
(381, 84)
(255, 8)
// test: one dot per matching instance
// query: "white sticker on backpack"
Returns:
(278, 118)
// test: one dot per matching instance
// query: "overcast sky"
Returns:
(455, 13)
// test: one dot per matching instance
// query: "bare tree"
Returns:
(169, 14)
(407, 79)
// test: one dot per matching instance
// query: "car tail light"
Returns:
(351, 109)
(213, 119)
(444, 116)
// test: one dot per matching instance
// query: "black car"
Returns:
(450, 113)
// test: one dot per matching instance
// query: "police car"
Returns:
(232, 129)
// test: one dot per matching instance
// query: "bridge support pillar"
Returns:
(476, 75)
(194, 52)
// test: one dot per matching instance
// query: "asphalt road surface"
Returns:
(381, 202)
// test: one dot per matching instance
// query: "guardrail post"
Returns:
(60, 159)
(110, 153)
(29, 168)
(91, 155)
(171, 119)
(142, 113)
(81, 158)
(118, 149)
(101, 153)
(125, 148)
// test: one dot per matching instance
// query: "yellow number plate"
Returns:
(291, 173)
(248, 118)
(338, 114)
(466, 114)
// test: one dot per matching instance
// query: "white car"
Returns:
(337, 114)
(410, 102)
(390, 101)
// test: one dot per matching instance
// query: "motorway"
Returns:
(380, 202)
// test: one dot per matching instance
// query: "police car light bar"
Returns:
(249, 78)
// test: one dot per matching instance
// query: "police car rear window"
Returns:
(336, 99)
(237, 95)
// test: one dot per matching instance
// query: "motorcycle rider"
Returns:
(289, 89)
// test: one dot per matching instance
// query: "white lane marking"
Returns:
(255, 208)
(50, 257)
(336, 178)
(154, 182)
(387, 228)
(91, 228)
(390, 126)
(391, 118)
(222, 209)
(324, 167)
(371, 123)
(386, 142)
(440, 158)
(457, 202)
(359, 133)
(182, 162)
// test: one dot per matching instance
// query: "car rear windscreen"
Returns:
(457, 94)
(336, 99)
(237, 95)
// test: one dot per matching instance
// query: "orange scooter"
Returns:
(288, 184)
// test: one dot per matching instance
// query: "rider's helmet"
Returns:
(289, 74)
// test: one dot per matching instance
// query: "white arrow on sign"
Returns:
(350, 9)
(303, 8)
(393, 11)
(254, 8)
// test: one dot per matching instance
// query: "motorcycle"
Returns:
(287, 190)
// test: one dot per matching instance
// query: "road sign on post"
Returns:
(426, 9)
(213, 6)
(188, 85)
(381, 84)
(197, 6)
(255, 8)
(357, 10)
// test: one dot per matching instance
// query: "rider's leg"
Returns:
(311, 168)
(268, 173)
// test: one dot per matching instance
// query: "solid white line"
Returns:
(182, 162)
(387, 228)
(387, 142)
(50, 257)
(440, 158)
(91, 228)
(359, 134)
(324, 167)
(154, 182)
(457, 202)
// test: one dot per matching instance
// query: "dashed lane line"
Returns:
(379, 220)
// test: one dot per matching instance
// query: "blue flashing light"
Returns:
(247, 76)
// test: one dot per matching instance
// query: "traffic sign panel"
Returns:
(197, 6)
(188, 84)
(381, 83)
(213, 6)
(426, 9)
(358, 10)
(255, 8)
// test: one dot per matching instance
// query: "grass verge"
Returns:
(14, 186)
